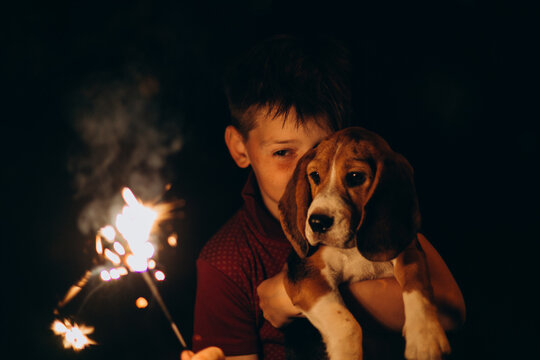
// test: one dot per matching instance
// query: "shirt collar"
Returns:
(259, 216)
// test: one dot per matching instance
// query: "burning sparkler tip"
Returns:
(74, 336)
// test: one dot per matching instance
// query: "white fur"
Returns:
(348, 265)
(425, 338)
(337, 327)
(329, 314)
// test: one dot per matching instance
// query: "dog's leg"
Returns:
(339, 329)
(319, 299)
(425, 338)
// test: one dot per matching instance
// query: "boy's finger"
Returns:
(210, 353)
(186, 355)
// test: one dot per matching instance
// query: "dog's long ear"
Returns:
(293, 206)
(391, 215)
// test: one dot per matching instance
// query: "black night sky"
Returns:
(448, 84)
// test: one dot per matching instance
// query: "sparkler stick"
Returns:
(159, 299)
(74, 290)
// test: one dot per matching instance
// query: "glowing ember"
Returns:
(119, 248)
(73, 334)
(135, 216)
(136, 263)
(105, 276)
(134, 223)
(141, 303)
(115, 259)
(99, 245)
(159, 275)
(115, 274)
(129, 198)
(108, 233)
(172, 240)
(147, 250)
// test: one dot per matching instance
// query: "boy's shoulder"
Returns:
(229, 250)
(228, 240)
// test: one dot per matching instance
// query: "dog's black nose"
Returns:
(320, 223)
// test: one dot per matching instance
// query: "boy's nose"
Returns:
(320, 223)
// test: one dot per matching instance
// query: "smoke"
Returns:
(124, 142)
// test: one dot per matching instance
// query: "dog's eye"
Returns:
(355, 179)
(315, 177)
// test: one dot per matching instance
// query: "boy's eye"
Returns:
(281, 153)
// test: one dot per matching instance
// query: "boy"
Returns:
(285, 96)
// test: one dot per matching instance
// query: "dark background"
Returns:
(448, 84)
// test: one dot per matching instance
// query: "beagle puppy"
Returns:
(350, 212)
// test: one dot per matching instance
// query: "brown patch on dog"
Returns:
(293, 206)
(411, 270)
(311, 285)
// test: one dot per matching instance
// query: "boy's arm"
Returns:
(222, 317)
(275, 303)
(381, 298)
(448, 297)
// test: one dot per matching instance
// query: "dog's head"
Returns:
(351, 190)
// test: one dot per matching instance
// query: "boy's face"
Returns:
(273, 148)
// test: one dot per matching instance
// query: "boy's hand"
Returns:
(210, 353)
(275, 303)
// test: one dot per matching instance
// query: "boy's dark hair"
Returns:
(310, 75)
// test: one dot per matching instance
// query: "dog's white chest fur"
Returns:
(348, 265)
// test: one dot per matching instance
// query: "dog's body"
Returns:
(351, 214)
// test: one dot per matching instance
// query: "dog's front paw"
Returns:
(424, 336)
(425, 340)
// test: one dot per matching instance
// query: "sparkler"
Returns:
(128, 248)
(74, 335)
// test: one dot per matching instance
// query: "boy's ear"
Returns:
(236, 146)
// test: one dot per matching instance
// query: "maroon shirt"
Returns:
(248, 249)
